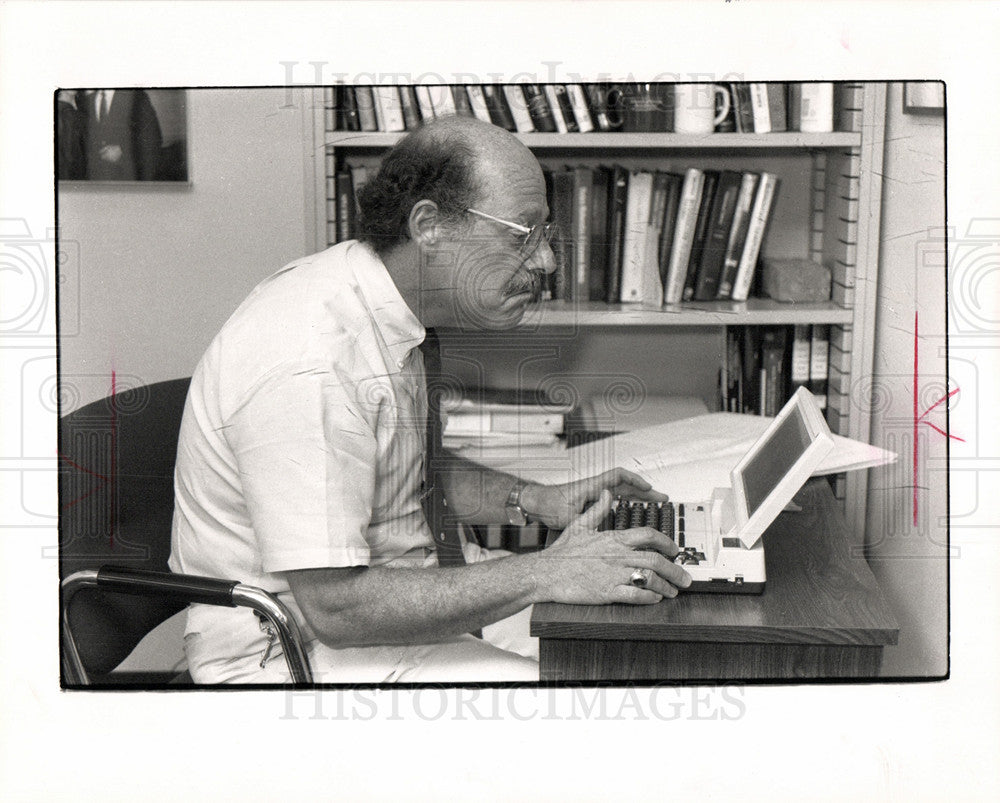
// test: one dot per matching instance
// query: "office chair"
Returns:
(116, 501)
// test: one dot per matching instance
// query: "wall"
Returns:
(909, 558)
(161, 268)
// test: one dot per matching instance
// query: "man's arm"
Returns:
(478, 495)
(378, 605)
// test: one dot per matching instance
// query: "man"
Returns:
(123, 137)
(301, 463)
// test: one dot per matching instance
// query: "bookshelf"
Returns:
(830, 214)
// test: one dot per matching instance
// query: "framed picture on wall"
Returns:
(121, 135)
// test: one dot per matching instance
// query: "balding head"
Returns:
(451, 161)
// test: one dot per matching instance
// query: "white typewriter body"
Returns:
(720, 538)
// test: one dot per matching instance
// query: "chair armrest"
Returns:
(184, 588)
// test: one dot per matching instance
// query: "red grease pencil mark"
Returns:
(918, 419)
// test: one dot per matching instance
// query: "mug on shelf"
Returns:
(696, 110)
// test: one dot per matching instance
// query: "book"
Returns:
(742, 108)
(652, 284)
(731, 383)
(365, 99)
(477, 100)
(500, 115)
(562, 243)
(640, 189)
(810, 107)
(759, 216)
(819, 357)
(680, 249)
(518, 109)
(750, 363)
(717, 235)
(772, 361)
(617, 200)
(583, 180)
(345, 205)
(578, 100)
(668, 225)
(760, 109)
(425, 103)
(552, 101)
(348, 111)
(409, 106)
(463, 107)
(700, 233)
(442, 100)
(564, 105)
(388, 110)
(539, 109)
(800, 362)
(737, 235)
(777, 105)
(599, 233)
(598, 104)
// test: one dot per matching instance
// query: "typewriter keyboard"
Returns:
(687, 524)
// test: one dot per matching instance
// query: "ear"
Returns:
(425, 223)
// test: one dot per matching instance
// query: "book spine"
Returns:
(598, 103)
(652, 285)
(738, 235)
(349, 110)
(539, 109)
(388, 109)
(566, 107)
(687, 218)
(616, 231)
(558, 117)
(742, 108)
(668, 226)
(801, 365)
(345, 206)
(720, 225)
(599, 234)
(408, 103)
(366, 108)
(761, 109)
(777, 106)
(816, 108)
(772, 356)
(562, 216)
(443, 100)
(581, 113)
(819, 362)
(640, 185)
(463, 107)
(755, 236)
(496, 104)
(518, 109)
(477, 100)
(700, 233)
(583, 179)
(332, 104)
(425, 103)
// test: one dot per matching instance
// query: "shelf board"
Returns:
(621, 141)
(755, 311)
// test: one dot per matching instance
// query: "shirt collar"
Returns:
(400, 330)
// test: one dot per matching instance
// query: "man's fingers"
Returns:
(648, 538)
(665, 573)
(596, 513)
(636, 596)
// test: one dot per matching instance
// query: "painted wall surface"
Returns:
(158, 269)
(906, 549)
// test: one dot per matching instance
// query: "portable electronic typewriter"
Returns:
(720, 538)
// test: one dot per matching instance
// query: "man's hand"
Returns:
(588, 567)
(557, 505)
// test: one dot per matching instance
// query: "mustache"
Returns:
(527, 282)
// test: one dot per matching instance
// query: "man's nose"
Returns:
(543, 259)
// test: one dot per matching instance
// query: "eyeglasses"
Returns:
(533, 236)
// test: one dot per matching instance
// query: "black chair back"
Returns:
(116, 502)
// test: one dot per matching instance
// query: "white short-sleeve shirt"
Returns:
(303, 434)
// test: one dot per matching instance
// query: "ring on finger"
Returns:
(639, 578)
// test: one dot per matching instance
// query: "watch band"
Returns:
(515, 512)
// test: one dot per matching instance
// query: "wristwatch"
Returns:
(515, 513)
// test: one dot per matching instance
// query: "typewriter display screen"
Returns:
(774, 458)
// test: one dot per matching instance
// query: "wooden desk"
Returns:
(821, 615)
